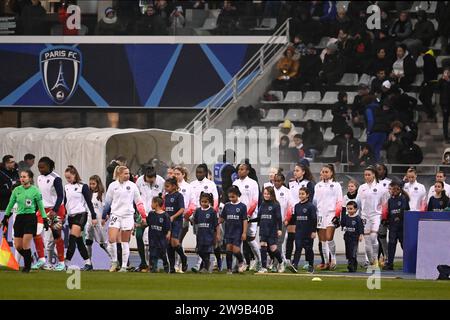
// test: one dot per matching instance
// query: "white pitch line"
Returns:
(322, 275)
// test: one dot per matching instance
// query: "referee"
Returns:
(29, 199)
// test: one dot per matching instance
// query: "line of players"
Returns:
(285, 216)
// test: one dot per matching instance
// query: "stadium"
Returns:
(224, 150)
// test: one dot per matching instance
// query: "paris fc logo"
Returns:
(60, 72)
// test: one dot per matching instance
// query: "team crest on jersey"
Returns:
(304, 210)
(183, 191)
(374, 190)
(399, 203)
(48, 180)
(270, 208)
(156, 186)
(246, 187)
(238, 210)
(76, 189)
(28, 202)
(281, 194)
(207, 216)
(128, 188)
(384, 184)
(353, 222)
(331, 185)
(205, 187)
(415, 189)
(160, 220)
(172, 200)
(60, 72)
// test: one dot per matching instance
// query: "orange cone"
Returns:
(6, 257)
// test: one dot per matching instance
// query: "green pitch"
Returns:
(105, 285)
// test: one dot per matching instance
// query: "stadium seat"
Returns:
(311, 97)
(278, 94)
(327, 117)
(357, 133)
(363, 137)
(313, 114)
(295, 114)
(300, 130)
(268, 24)
(419, 62)
(440, 59)
(435, 23)
(330, 97)
(209, 24)
(293, 97)
(437, 45)
(351, 96)
(365, 79)
(274, 115)
(349, 79)
(329, 151)
(418, 81)
(328, 135)
(323, 42)
(412, 94)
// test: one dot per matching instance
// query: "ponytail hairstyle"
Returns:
(118, 171)
(330, 166)
(49, 162)
(234, 190)
(308, 175)
(172, 181)
(374, 171)
(158, 200)
(271, 191)
(30, 175)
(100, 188)
(183, 171)
(208, 196)
(72, 170)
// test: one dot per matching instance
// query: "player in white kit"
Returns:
(416, 191)
(328, 200)
(249, 196)
(371, 200)
(119, 200)
(384, 182)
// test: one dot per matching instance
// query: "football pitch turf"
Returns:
(247, 286)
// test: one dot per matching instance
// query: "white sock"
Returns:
(89, 250)
(147, 255)
(17, 256)
(375, 245)
(369, 248)
(87, 261)
(332, 247)
(125, 253)
(199, 262)
(255, 249)
(112, 249)
(326, 250)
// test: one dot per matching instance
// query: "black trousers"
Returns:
(395, 235)
(351, 252)
(445, 116)
(426, 96)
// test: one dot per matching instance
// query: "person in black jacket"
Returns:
(310, 68)
(312, 139)
(9, 177)
(348, 149)
(430, 74)
(404, 69)
(333, 66)
(396, 143)
(341, 114)
(442, 16)
(32, 19)
(444, 90)
(381, 62)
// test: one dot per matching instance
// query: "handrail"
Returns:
(231, 91)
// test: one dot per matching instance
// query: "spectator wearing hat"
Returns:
(404, 69)
(287, 128)
(110, 25)
(430, 75)
(333, 66)
(444, 101)
(348, 149)
(287, 71)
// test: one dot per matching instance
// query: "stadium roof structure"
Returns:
(90, 150)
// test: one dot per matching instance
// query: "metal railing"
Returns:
(271, 50)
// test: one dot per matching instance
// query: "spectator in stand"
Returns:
(348, 150)
(361, 51)
(343, 22)
(384, 41)
(377, 82)
(299, 148)
(199, 5)
(395, 5)
(150, 23)
(287, 128)
(325, 12)
(422, 35)
(333, 66)
(299, 46)
(177, 20)
(366, 156)
(287, 71)
(308, 29)
(287, 154)
(341, 115)
(444, 101)
(227, 20)
(396, 143)
(442, 16)
(164, 9)
(110, 25)
(32, 19)
(356, 8)
(309, 72)
(312, 139)
(27, 163)
(404, 69)
(430, 75)
(345, 45)
(9, 177)
(63, 15)
(380, 62)
(359, 105)
(401, 29)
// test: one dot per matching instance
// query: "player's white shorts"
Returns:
(122, 223)
(324, 221)
(371, 223)
(96, 232)
(145, 236)
(251, 229)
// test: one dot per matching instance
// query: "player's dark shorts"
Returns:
(176, 228)
(79, 219)
(235, 241)
(304, 242)
(205, 248)
(269, 240)
(25, 224)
